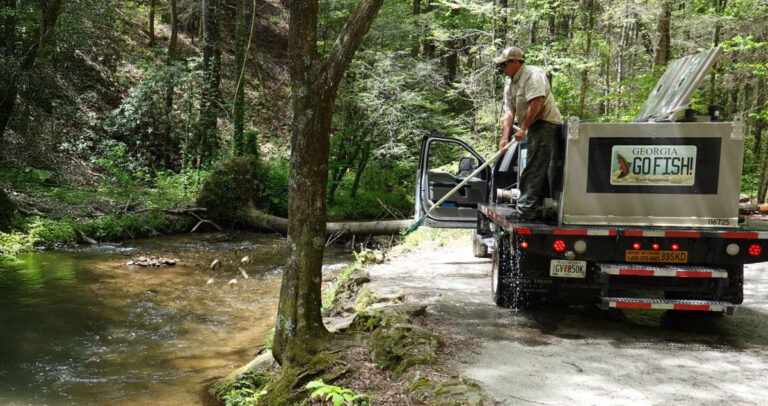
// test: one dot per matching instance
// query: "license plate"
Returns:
(561, 268)
(656, 256)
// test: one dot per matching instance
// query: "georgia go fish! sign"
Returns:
(653, 165)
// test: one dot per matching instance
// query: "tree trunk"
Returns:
(663, 50)
(763, 175)
(299, 329)
(360, 169)
(534, 27)
(759, 100)
(25, 53)
(168, 131)
(589, 24)
(719, 10)
(503, 6)
(451, 61)
(152, 4)
(206, 142)
(173, 41)
(238, 113)
(7, 103)
(260, 221)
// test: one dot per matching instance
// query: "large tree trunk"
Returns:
(299, 328)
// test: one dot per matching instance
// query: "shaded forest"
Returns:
(107, 108)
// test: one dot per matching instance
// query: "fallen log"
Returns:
(261, 221)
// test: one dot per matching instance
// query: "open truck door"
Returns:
(443, 164)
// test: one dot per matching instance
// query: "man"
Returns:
(528, 97)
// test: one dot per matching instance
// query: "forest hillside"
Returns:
(110, 109)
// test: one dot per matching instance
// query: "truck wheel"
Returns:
(501, 289)
(479, 249)
(735, 290)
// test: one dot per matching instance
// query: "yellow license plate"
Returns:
(656, 256)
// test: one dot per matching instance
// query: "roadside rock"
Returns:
(402, 346)
(336, 324)
(368, 296)
(343, 302)
(459, 392)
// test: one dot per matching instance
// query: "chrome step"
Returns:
(667, 304)
(670, 271)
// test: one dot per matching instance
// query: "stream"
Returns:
(82, 327)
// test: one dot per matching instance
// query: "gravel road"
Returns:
(586, 356)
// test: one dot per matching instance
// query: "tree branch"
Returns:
(347, 43)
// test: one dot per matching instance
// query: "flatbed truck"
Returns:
(640, 215)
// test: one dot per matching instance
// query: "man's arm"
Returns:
(534, 107)
(506, 127)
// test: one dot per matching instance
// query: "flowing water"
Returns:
(82, 327)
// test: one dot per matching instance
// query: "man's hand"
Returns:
(520, 134)
(504, 144)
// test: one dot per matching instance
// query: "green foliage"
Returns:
(337, 395)
(273, 195)
(246, 391)
(12, 244)
(233, 185)
(9, 261)
(144, 133)
(174, 188)
(46, 233)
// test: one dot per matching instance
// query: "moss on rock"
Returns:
(289, 387)
(401, 346)
(233, 185)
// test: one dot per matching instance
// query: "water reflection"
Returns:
(82, 327)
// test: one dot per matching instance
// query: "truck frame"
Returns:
(640, 215)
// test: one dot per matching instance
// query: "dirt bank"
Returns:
(584, 356)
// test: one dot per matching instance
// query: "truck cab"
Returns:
(638, 215)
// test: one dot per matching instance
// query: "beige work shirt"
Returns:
(529, 83)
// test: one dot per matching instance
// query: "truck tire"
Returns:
(734, 293)
(479, 249)
(501, 289)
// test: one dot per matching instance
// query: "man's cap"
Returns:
(510, 54)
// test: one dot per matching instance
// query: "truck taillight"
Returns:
(755, 250)
(636, 246)
(523, 244)
(655, 246)
(559, 245)
(675, 247)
